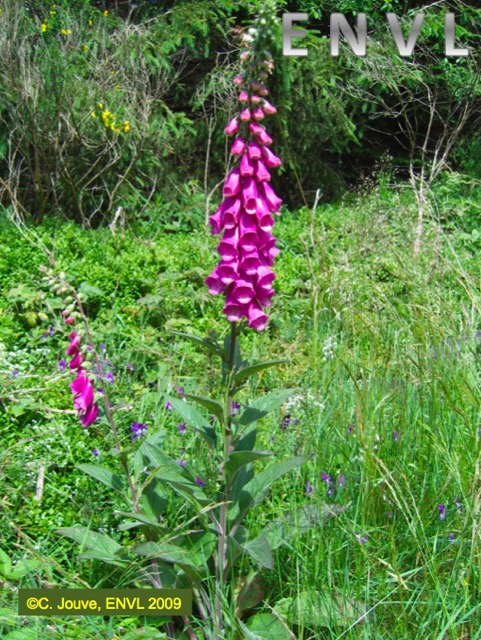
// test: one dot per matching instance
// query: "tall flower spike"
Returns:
(247, 247)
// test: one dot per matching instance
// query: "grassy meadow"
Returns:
(385, 409)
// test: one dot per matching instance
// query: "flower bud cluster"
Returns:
(245, 216)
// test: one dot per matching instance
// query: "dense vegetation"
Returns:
(111, 158)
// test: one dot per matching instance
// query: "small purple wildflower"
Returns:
(199, 482)
(168, 406)
(138, 430)
(101, 391)
(182, 428)
(44, 336)
(325, 477)
(180, 391)
(102, 347)
(235, 408)
(362, 538)
(452, 536)
(15, 373)
(109, 376)
(95, 452)
(285, 422)
(130, 366)
(309, 489)
(350, 428)
(51, 331)
(182, 463)
(341, 480)
(89, 348)
(457, 501)
(61, 365)
(442, 511)
(395, 435)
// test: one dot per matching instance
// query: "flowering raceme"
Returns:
(245, 216)
(82, 387)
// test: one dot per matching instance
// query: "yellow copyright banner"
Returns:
(104, 602)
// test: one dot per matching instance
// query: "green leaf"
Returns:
(256, 490)
(298, 521)
(194, 419)
(245, 373)
(192, 550)
(22, 568)
(105, 476)
(259, 550)
(100, 546)
(260, 407)
(320, 609)
(211, 405)
(90, 290)
(265, 626)
(164, 468)
(5, 563)
(21, 634)
(238, 459)
(139, 519)
(212, 346)
(249, 592)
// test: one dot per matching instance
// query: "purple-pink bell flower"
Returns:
(232, 127)
(238, 147)
(232, 184)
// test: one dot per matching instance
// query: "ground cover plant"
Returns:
(313, 474)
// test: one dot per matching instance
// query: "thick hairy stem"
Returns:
(223, 533)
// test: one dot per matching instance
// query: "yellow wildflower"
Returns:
(85, 48)
(53, 13)
(106, 13)
(100, 104)
(117, 87)
(126, 127)
(112, 73)
(93, 114)
(44, 27)
(90, 23)
(65, 32)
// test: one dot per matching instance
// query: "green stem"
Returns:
(223, 533)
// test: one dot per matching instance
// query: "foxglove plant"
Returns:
(220, 504)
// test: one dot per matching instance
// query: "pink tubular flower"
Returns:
(269, 109)
(81, 387)
(238, 147)
(232, 184)
(232, 127)
(246, 216)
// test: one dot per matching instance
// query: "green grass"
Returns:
(357, 318)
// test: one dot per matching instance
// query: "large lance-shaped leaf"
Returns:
(212, 346)
(258, 549)
(238, 459)
(264, 626)
(139, 519)
(211, 405)
(100, 546)
(193, 418)
(260, 407)
(105, 476)
(169, 471)
(246, 372)
(256, 490)
(298, 521)
(321, 609)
